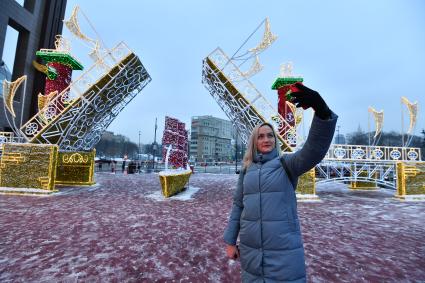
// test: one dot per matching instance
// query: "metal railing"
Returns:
(373, 153)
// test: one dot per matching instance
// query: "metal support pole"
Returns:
(236, 152)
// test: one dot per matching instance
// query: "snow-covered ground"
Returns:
(123, 230)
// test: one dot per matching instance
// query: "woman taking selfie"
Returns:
(264, 211)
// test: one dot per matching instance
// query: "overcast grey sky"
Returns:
(355, 53)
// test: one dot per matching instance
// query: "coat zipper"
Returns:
(261, 220)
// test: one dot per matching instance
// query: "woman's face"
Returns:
(265, 141)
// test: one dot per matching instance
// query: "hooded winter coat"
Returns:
(264, 211)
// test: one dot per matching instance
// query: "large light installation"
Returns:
(72, 115)
(175, 135)
(285, 108)
(9, 91)
(378, 117)
(413, 113)
(175, 154)
(237, 96)
(76, 117)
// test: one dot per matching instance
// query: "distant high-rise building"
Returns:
(5, 74)
(211, 139)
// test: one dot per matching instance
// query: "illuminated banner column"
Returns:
(283, 86)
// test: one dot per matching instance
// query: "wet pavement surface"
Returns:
(122, 230)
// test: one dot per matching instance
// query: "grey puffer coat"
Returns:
(264, 211)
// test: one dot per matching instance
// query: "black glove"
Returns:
(304, 97)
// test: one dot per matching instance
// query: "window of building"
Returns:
(9, 52)
(28, 5)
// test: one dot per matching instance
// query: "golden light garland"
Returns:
(307, 183)
(410, 179)
(379, 120)
(255, 68)
(268, 39)
(364, 185)
(74, 27)
(28, 166)
(40, 67)
(173, 184)
(9, 91)
(74, 158)
(413, 112)
(75, 168)
(44, 100)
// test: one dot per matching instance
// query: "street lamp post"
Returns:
(337, 135)
(188, 147)
(154, 146)
(139, 160)
(138, 152)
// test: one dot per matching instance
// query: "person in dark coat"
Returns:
(264, 211)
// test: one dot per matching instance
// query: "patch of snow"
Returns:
(308, 198)
(26, 191)
(412, 198)
(34, 190)
(171, 172)
(184, 195)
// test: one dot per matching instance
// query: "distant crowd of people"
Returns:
(129, 167)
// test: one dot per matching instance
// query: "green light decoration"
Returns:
(52, 74)
(60, 57)
(286, 81)
(279, 82)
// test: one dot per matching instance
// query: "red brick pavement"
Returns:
(114, 232)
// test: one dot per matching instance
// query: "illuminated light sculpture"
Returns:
(243, 104)
(413, 112)
(175, 135)
(50, 72)
(25, 166)
(379, 123)
(85, 108)
(268, 39)
(43, 100)
(246, 107)
(9, 91)
(174, 153)
(306, 189)
(96, 55)
(372, 152)
(411, 181)
(255, 69)
(173, 183)
(58, 69)
(74, 27)
(73, 115)
(75, 168)
(285, 108)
